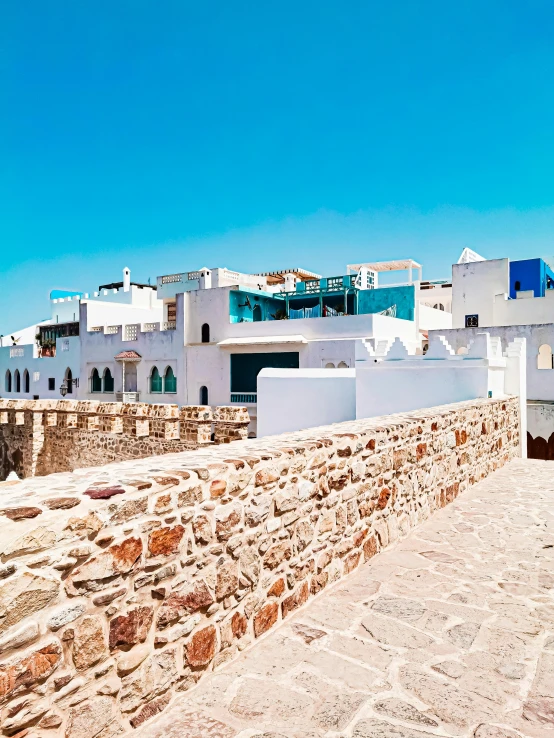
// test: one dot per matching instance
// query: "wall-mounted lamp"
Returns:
(64, 387)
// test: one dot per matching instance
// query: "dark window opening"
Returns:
(17, 378)
(517, 285)
(51, 383)
(472, 321)
(69, 381)
(26, 382)
(170, 381)
(155, 380)
(205, 333)
(95, 381)
(8, 381)
(204, 396)
(108, 381)
(246, 367)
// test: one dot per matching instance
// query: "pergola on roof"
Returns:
(278, 277)
(396, 265)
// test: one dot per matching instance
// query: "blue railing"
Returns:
(244, 398)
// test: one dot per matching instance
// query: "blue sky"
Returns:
(254, 135)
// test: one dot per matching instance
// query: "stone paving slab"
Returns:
(449, 634)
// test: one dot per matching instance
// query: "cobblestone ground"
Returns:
(449, 634)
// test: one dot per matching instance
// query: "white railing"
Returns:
(112, 329)
(170, 278)
(96, 329)
(194, 275)
(149, 327)
(169, 325)
(130, 333)
(16, 352)
(36, 376)
(65, 344)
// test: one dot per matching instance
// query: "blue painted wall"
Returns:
(532, 274)
(375, 301)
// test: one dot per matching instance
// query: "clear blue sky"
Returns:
(255, 135)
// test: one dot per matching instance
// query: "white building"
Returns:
(512, 299)
(220, 328)
(202, 337)
(36, 361)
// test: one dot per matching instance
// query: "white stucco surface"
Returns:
(294, 399)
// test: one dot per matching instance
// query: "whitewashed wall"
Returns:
(295, 399)
(474, 287)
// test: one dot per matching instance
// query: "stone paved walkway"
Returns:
(449, 634)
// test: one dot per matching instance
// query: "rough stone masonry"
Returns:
(40, 437)
(121, 586)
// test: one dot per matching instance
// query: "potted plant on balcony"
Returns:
(48, 347)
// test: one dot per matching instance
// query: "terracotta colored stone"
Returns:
(150, 709)
(384, 497)
(370, 548)
(29, 668)
(200, 650)
(139, 484)
(89, 644)
(277, 588)
(318, 582)
(165, 541)
(351, 562)
(266, 476)
(103, 493)
(295, 600)
(238, 625)
(421, 451)
(187, 601)
(227, 581)
(61, 503)
(126, 630)
(166, 481)
(21, 513)
(278, 553)
(265, 618)
(202, 529)
(218, 488)
(125, 554)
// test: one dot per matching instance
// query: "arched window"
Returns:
(17, 381)
(170, 381)
(544, 359)
(8, 381)
(155, 380)
(342, 365)
(205, 333)
(95, 381)
(26, 382)
(462, 351)
(108, 381)
(256, 313)
(517, 285)
(203, 395)
(329, 365)
(68, 380)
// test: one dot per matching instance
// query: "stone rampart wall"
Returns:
(120, 586)
(40, 437)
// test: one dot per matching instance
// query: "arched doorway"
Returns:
(257, 313)
(204, 395)
(205, 333)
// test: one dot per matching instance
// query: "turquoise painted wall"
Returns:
(268, 305)
(374, 301)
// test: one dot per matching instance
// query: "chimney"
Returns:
(126, 279)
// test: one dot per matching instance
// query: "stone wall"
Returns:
(39, 437)
(120, 586)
